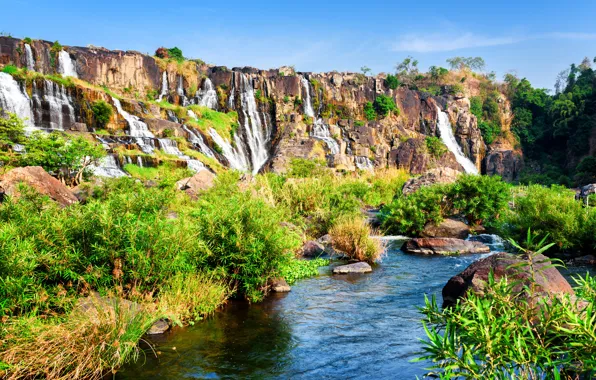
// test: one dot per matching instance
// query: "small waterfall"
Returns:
(232, 99)
(196, 138)
(320, 129)
(137, 129)
(192, 114)
(170, 147)
(449, 140)
(253, 129)
(180, 92)
(139, 161)
(306, 101)
(164, 86)
(128, 160)
(66, 65)
(53, 107)
(363, 163)
(108, 167)
(235, 155)
(495, 242)
(172, 116)
(207, 96)
(29, 58)
(14, 100)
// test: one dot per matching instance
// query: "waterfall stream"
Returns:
(320, 130)
(207, 96)
(236, 156)
(449, 140)
(137, 129)
(256, 139)
(66, 65)
(14, 100)
(196, 138)
(180, 92)
(29, 58)
(108, 167)
(164, 86)
(54, 102)
(171, 147)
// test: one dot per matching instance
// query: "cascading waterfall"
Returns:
(232, 99)
(137, 129)
(14, 100)
(53, 99)
(66, 65)
(164, 86)
(196, 139)
(29, 58)
(235, 155)
(108, 167)
(449, 140)
(253, 129)
(170, 147)
(320, 130)
(363, 163)
(207, 96)
(180, 92)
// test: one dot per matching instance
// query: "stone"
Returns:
(443, 246)
(203, 180)
(312, 249)
(360, 267)
(279, 285)
(159, 327)
(505, 163)
(447, 228)
(584, 260)
(475, 277)
(40, 180)
(325, 239)
(431, 177)
(585, 192)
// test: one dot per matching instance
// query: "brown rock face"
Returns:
(431, 177)
(203, 180)
(38, 179)
(548, 281)
(312, 249)
(505, 163)
(441, 246)
(447, 228)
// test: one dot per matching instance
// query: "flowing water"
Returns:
(363, 163)
(164, 86)
(171, 147)
(137, 129)
(256, 138)
(320, 130)
(66, 65)
(195, 138)
(449, 140)
(180, 92)
(207, 96)
(14, 100)
(53, 107)
(29, 58)
(108, 167)
(236, 156)
(330, 326)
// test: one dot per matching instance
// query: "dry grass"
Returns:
(352, 236)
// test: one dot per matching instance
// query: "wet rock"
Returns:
(447, 228)
(443, 246)
(586, 191)
(475, 277)
(325, 239)
(279, 285)
(312, 249)
(40, 180)
(584, 260)
(360, 267)
(159, 327)
(431, 177)
(203, 180)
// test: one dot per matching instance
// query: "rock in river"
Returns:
(447, 228)
(442, 246)
(361, 267)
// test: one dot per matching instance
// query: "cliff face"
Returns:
(280, 114)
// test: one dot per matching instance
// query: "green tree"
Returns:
(471, 63)
(12, 130)
(102, 112)
(384, 104)
(407, 70)
(365, 70)
(176, 54)
(392, 82)
(369, 111)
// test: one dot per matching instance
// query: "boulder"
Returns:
(431, 177)
(442, 246)
(325, 239)
(203, 180)
(447, 228)
(584, 260)
(159, 327)
(279, 285)
(505, 163)
(312, 249)
(38, 179)
(585, 192)
(360, 267)
(475, 277)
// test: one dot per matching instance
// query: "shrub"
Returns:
(102, 112)
(409, 214)
(384, 104)
(352, 237)
(12, 130)
(585, 170)
(435, 146)
(176, 54)
(476, 106)
(27, 40)
(305, 168)
(10, 69)
(490, 130)
(162, 52)
(369, 111)
(392, 82)
(359, 123)
(480, 199)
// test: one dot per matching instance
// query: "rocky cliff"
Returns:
(244, 118)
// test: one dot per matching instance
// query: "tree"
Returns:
(162, 52)
(369, 111)
(407, 70)
(365, 70)
(436, 73)
(470, 63)
(66, 158)
(12, 130)
(384, 104)
(176, 54)
(102, 112)
(392, 82)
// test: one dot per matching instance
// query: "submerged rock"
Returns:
(360, 267)
(447, 228)
(549, 281)
(279, 285)
(38, 179)
(159, 327)
(442, 246)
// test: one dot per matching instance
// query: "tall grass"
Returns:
(353, 237)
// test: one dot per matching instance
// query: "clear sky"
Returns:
(537, 39)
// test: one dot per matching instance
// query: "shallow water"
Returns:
(342, 326)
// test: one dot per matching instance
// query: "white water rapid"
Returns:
(207, 96)
(14, 100)
(66, 65)
(137, 129)
(449, 140)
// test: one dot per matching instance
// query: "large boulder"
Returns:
(443, 246)
(279, 285)
(313, 249)
(548, 280)
(447, 228)
(431, 177)
(505, 163)
(38, 179)
(203, 180)
(360, 267)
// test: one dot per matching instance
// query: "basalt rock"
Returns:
(203, 180)
(279, 285)
(38, 179)
(548, 281)
(443, 246)
(312, 249)
(360, 267)
(449, 228)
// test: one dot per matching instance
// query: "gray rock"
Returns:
(431, 177)
(279, 285)
(325, 239)
(159, 327)
(447, 228)
(442, 246)
(312, 249)
(360, 267)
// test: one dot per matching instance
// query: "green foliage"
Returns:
(286, 99)
(369, 111)
(12, 130)
(10, 69)
(585, 170)
(470, 63)
(435, 146)
(490, 130)
(296, 269)
(433, 90)
(437, 73)
(383, 105)
(351, 235)
(102, 111)
(27, 40)
(359, 123)
(476, 106)
(305, 168)
(480, 199)
(54, 51)
(176, 54)
(392, 82)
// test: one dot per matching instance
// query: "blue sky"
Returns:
(536, 39)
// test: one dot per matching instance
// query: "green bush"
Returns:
(176, 54)
(296, 269)
(12, 130)
(102, 112)
(392, 82)
(10, 69)
(490, 130)
(384, 105)
(409, 214)
(369, 111)
(476, 106)
(480, 199)
(305, 168)
(435, 146)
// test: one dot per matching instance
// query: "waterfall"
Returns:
(137, 129)
(14, 100)
(235, 155)
(108, 167)
(53, 107)
(140, 161)
(66, 65)
(29, 58)
(180, 92)
(164, 86)
(207, 96)
(172, 116)
(253, 129)
(192, 114)
(363, 163)
(449, 140)
(197, 139)
(320, 129)
(170, 147)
